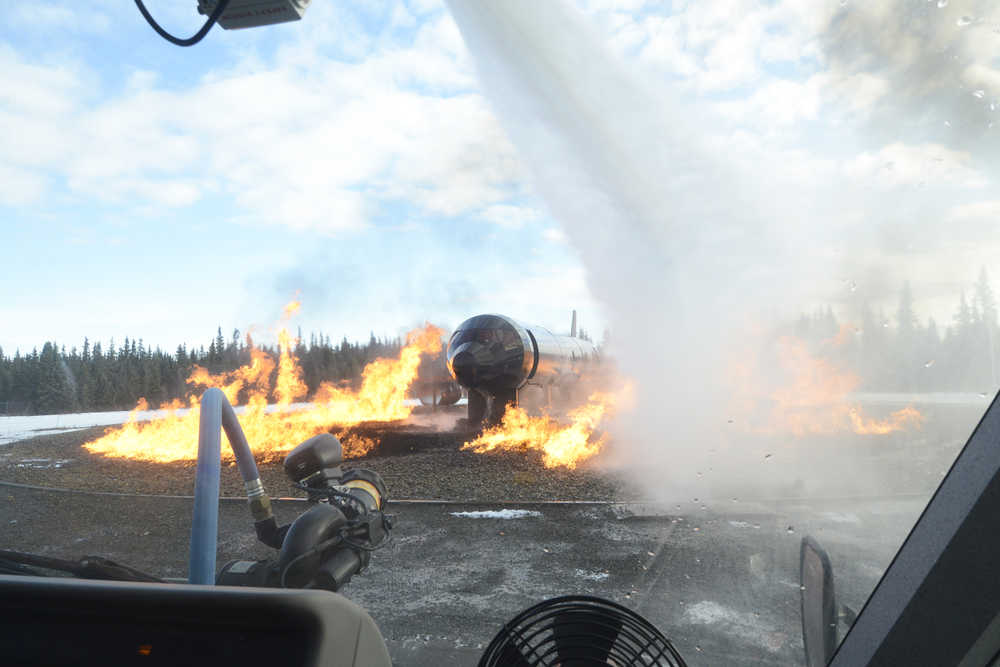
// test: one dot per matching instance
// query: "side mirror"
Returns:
(819, 607)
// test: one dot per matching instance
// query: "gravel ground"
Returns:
(432, 466)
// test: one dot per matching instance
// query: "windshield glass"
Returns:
(750, 246)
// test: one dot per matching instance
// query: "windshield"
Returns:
(751, 247)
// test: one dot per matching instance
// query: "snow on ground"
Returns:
(497, 514)
(20, 428)
(747, 625)
(13, 429)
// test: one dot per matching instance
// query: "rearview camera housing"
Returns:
(253, 13)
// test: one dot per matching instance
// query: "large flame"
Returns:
(273, 430)
(812, 396)
(561, 444)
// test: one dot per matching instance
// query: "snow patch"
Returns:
(591, 576)
(42, 464)
(17, 428)
(497, 514)
(739, 623)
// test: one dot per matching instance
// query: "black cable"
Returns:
(194, 39)
(88, 567)
(362, 509)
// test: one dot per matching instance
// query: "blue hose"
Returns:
(217, 414)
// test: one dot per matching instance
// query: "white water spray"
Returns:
(671, 236)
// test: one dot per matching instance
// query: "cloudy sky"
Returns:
(355, 159)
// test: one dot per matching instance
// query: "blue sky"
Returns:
(152, 191)
(212, 184)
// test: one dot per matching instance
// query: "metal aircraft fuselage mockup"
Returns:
(494, 356)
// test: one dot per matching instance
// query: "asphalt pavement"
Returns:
(720, 580)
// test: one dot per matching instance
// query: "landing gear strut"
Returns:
(477, 408)
(499, 405)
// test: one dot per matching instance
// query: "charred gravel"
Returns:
(416, 464)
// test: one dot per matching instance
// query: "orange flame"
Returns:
(561, 444)
(274, 430)
(813, 398)
(290, 309)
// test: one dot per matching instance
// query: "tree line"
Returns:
(96, 377)
(897, 352)
(888, 352)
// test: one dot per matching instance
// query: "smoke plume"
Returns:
(680, 222)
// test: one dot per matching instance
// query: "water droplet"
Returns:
(736, 500)
(854, 286)
(698, 648)
(677, 507)
(885, 325)
(993, 106)
(650, 553)
(963, 21)
(790, 530)
(696, 529)
(942, 4)
(802, 588)
(757, 526)
(979, 94)
(929, 364)
(695, 500)
(983, 394)
(767, 456)
(947, 123)
(704, 508)
(699, 474)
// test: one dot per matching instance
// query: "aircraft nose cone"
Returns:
(463, 365)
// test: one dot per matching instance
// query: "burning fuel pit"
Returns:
(394, 438)
(418, 458)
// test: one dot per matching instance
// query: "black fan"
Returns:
(579, 630)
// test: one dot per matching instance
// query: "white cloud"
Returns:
(986, 211)
(20, 186)
(46, 17)
(899, 165)
(554, 235)
(321, 146)
(506, 215)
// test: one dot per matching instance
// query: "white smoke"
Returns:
(688, 234)
(668, 232)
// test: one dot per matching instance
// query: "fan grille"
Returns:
(579, 630)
